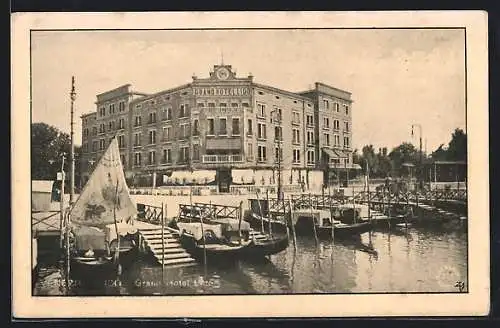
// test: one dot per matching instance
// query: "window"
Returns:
(222, 127)
(137, 159)
(296, 136)
(327, 138)
(310, 137)
(94, 131)
(112, 108)
(121, 124)
(278, 154)
(201, 105)
(278, 133)
(250, 151)
(310, 157)
(196, 152)
(245, 104)
(310, 120)
(184, 132)
(276, 115)
(167, 130)
(234, 104)
(183, 154)
(196, 128)
(85, 148)
(261, 131)
(122, 159)
(152, 118)
(236, 126)
(102, 128)
(346, 126)
(261, 153)
(102, 111)
(336, 124)
(336, 139)
(249, 130)
(85, 132)
(296, 156)
(346, 142)
(337, 107)
(211, 127)
(295, 118)
(94, 145)
(167, 156)
(326, 123)
(152, 137)
(152, 158)
(138, 121)
(121, 141)
(111, 126)
(326, 104)
(121, 106)
(102, 144)
(211, 104)
(137, 139)
(166, 114)
(222, 104)
(346, 109)
(261, 110)
(183, 111)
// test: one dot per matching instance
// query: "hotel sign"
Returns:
(222, 91)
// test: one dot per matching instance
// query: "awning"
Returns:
(223, 144)
(242, 176)
(42, 186)
(333, 153)
(188, 177)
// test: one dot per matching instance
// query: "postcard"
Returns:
(250, 164)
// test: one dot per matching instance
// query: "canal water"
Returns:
(417, 259)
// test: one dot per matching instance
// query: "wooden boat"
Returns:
(266, 244)
(323, 221)
(214, 237)
(257, 222)
(101, 240)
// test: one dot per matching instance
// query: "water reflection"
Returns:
(417, 259)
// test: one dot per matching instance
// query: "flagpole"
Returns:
(72, 149)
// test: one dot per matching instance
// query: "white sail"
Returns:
(105, 192)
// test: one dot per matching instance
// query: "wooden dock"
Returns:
(169, 251)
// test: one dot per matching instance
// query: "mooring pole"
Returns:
(72, 149)
(61, 203)
(292, 225)
(269, 213)
(313, 219)
(260, 212)
(162, 239)
(68, 262)
(332, 219)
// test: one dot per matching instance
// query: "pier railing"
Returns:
(150, 213)
(212, 210)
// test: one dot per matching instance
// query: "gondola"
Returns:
(96, 222)
(265, 244)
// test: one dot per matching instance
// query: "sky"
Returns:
(397, 77)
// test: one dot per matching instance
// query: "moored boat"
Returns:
(102, 239)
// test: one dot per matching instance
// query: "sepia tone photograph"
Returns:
(267, 160)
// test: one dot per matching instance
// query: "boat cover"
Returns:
(123, 229)
(229, 224)
(196, 230)
(89, 238)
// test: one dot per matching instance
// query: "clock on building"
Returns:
(222, 73)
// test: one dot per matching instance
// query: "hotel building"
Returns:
(228, 126)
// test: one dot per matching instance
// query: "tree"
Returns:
(48, 144)
(404, 153)
(457, 148)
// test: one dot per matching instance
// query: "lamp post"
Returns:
(277, 138)
(419, 173)
(72, 150)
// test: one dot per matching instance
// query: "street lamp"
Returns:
(277, 138)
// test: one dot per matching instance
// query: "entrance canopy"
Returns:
(334, 153)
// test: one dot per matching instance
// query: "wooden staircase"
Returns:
(171, 250)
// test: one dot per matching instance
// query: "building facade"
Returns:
(225, 124)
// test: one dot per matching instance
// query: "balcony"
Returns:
(221, 159)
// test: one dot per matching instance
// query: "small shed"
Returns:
(41, 195)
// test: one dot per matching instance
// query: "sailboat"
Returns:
(101, 220)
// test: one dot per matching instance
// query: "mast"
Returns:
(72, 149)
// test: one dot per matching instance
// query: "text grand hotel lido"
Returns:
(225, 130)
